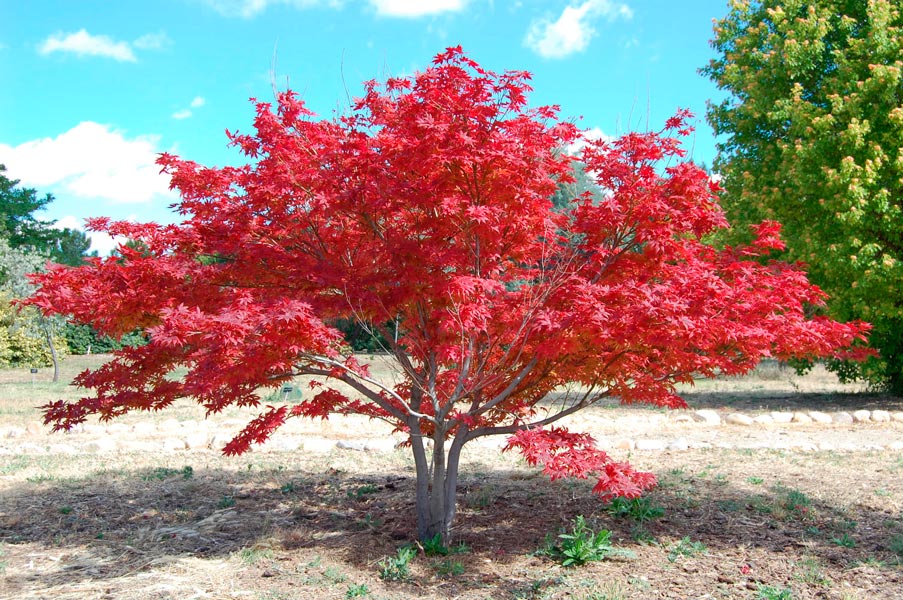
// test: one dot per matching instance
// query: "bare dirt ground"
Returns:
(751, 512)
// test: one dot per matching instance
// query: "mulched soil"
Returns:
(737, 524)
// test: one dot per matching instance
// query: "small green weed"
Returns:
(434, 546)
(639, 509)
(612, 590)
(357, 590)
(642, 535)
(844, 541)
(287, 488)
(226, 502)
(66, 510)
(254, 554)
(728, 505)
(685, 547)
(333, 575)
(449, 568)
(398, 567)
(461, 548)
(161, 473)
(797, 504)
(583, 545)
(481, 498)
(810, 571)
(362, 491)
(755, 480)
(369, 522)
(769, 592)
(895, 545)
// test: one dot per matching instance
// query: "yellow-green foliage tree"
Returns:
(26, 337)
(812, 132)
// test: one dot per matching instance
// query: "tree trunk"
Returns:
(437, 485)
(48, 335)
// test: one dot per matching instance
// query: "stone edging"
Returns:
(176, 436)
(712, 417)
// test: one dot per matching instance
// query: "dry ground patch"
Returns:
(737, 523)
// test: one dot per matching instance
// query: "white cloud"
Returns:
(90, 161)
(184, 113)
(589, 135)
(82, 43)
(406, 9)
(411, 9)
(574, 29)
(250, 8)
(152, 41)
(101, 241)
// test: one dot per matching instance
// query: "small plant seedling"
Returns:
(896, 545)
(461, 548)
(66, 510)
(729, 505)
(449, 568)
(755, 480)
(844, 541)
(642, 535)
(685, 547)
(362, 491)
(333, 575)
(287, 488)
(357, 590)
(639, 509)
(398, 567)
(434, 546)
(583, 545)
(369, 522)
(797, 504)
(768, 592)
(608, 591)
(254, 554)
(811, 572)
(226, 502)
(161, 473)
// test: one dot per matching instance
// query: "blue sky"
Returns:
(94, 90)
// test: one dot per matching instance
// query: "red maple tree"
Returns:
(424, 213)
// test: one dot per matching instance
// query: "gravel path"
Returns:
(628, 429)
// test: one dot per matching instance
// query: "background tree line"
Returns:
(26, 244)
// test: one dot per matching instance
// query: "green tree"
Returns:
(566, 193)
(812, 132)
(22, 229)
(27, 338)
(70, 247)
(18, 224)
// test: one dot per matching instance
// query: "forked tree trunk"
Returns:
(437, 484)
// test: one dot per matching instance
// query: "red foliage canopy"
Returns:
(428, 206)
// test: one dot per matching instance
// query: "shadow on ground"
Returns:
(722, 523)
